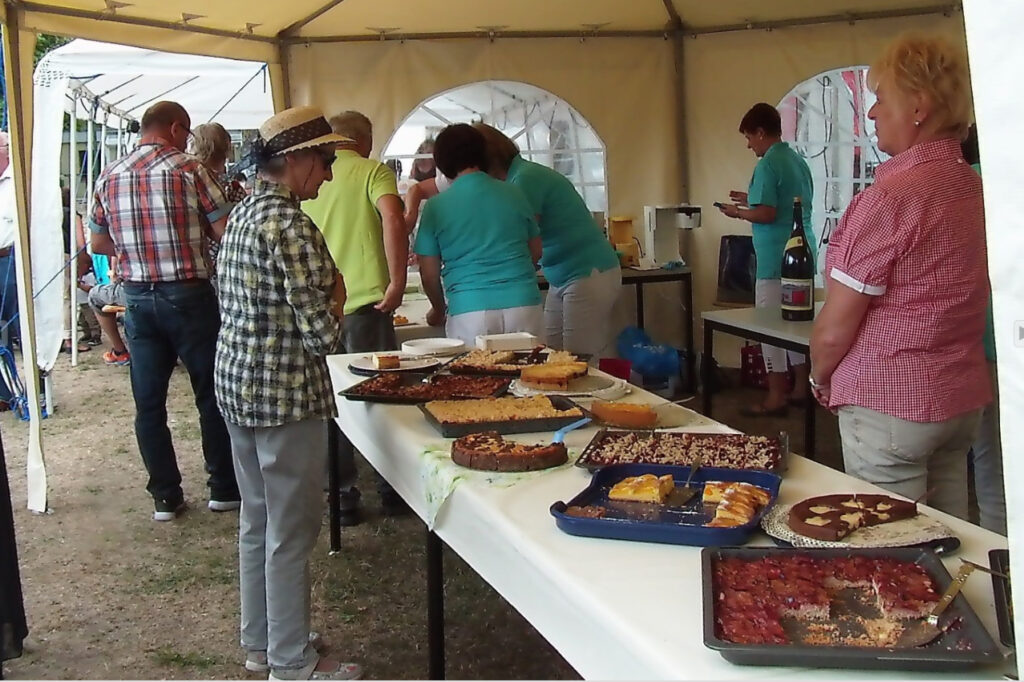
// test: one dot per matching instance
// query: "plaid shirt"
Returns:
(276, 277)
(915, 242)
(157, 203)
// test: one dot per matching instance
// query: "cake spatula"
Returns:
(560, 433)
(927, 630)
(683, 495)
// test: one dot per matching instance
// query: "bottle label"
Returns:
(794, 242)
(797, 294)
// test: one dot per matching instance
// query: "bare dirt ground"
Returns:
(112, 595)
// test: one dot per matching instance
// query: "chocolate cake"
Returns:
(488, 451)
(833, 517)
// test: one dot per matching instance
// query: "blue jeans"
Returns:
(166, 321)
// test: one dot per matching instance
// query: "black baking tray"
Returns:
(948, 653)
(999, 560)
(506, 427)
(666, 523)
(408, 379)
(523, 358)
(585, 459)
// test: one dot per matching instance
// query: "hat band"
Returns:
(304, 132)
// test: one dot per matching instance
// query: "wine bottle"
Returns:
(797, 272)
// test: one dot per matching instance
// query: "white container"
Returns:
(433, 346)
(511, 341)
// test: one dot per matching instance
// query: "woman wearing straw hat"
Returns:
(281, 300)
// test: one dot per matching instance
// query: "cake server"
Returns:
(683, 495)
(560, 433)
(927, 630)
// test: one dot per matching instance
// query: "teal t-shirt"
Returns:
(989, 339)
(480, 228)
(573, 244)
(780, 175)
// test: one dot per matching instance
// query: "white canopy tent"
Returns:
(663, 82)
(109, 85)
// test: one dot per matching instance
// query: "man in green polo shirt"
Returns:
(360, 215)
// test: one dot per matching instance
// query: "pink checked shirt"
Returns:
(915, 242)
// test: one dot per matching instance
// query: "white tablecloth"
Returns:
(613, 609)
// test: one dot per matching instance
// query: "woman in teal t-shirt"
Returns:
(780, 175)
(481, 239)
(578, 262)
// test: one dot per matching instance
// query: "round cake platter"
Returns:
(363, 365)
(434, 347)
(921, 529)
(590, 386)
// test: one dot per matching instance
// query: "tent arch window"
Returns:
(547, 129)
(825, 119)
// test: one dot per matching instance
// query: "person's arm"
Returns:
(430, 277)
(98, 225)
(834, 331)
(762, 199)
(763, 215)
(309, 284)
(416, 195)
(396, 250)
(83, 258)
(213, 203)
(862, 254)
(536, 249)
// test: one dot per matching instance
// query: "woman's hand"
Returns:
(435, 317)
(739, 197)
(730, 210)
(822, 394)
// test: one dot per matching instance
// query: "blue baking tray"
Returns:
(666, 523)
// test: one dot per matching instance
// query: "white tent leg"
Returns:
(51, 405)
(36, 465)
(73, 189)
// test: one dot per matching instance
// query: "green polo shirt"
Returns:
(345, 210)
(779, 175)
(480, 227)
(573, 244)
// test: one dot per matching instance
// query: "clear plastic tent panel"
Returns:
(825, 119)
(546, 129)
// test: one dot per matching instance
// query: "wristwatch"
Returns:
(814, 384)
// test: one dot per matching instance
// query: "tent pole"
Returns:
(36, 466)
(286, 78)
(90, 163)
(103, 141)
(73, 241)
(679, 91)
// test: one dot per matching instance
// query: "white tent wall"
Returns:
(725, 74)
(996, 51)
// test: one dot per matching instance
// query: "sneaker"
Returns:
(224, 505)
(343, 671)
(168, 511)
(121, 358)
(256, 661)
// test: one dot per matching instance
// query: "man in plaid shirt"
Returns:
(152, 210)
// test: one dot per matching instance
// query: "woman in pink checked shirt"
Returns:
(897, 347)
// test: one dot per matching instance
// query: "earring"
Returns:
(917, 124)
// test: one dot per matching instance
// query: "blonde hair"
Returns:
(354, 125)
(930, 66)
(210, 143)
(500, 149)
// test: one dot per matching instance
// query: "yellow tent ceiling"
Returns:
(367, 19)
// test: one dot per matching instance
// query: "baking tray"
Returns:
(507, 427)
(523, 358)
(649, 522)
(589, 454)
(409, 379)
(999, 560)
(948, 653)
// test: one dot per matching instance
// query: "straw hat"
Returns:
(294, 129)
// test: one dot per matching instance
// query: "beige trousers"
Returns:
(910, 458)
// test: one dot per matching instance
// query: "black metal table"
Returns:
(764, 325)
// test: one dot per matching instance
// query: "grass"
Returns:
(168, 657)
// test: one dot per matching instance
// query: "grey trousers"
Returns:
(577, 317)
(988, 466)
(279, 472)
(909, 458)
(367, 330)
